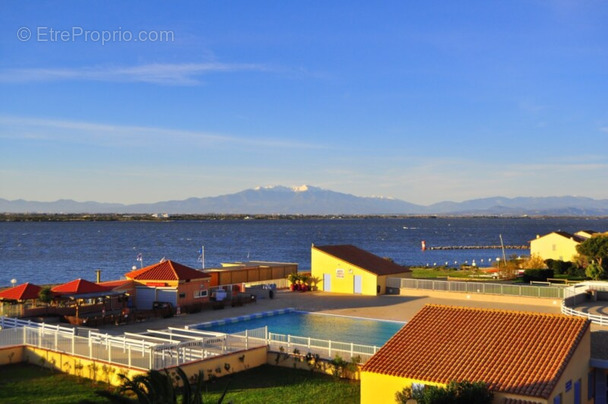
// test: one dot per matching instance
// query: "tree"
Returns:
(594, 271)
(595, 249)
(45, 295)
(158, 387)
(534, 262)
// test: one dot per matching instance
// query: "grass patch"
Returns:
(433, 273)
(274, 384)
(21, 383)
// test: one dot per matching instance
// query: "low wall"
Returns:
(217, 366)
(11, 354)
(224, 365)
(535, 301)
(66, 363)
(286, 360)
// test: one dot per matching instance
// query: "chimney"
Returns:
(98, 272)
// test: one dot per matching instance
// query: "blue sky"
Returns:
(423, 101)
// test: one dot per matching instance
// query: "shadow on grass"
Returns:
(290, 385)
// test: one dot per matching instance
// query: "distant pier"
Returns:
(479, 247)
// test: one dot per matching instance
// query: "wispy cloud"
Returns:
(183, 74)
(126, 135)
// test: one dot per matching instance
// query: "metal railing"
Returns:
(580, 292)
(550, 292)
(326, 349)
(140, 351)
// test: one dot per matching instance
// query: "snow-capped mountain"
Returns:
(310, 200)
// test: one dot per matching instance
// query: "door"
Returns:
(167, 295)
(327, 282)
(358, 287)
(144, 298)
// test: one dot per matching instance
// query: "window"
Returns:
(577, 392)
(200, 294)
(558, 399)
(590, 386)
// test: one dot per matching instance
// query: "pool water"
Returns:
(315, 325)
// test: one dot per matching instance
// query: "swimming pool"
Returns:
(315, 325)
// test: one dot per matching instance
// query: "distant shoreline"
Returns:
(144, 217)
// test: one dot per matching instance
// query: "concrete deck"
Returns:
(386, 307)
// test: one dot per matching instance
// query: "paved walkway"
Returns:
(598, 307)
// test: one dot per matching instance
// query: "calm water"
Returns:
(322, 326)
(59, 252)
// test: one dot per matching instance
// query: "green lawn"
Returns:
(427, 273)
(274, 384)
(266, 384)
(32, 384)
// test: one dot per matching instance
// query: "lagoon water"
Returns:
(56, 252)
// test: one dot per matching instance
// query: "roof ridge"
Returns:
(513, 312)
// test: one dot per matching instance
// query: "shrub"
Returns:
(558, 266)
(463, 392)
(537, 275)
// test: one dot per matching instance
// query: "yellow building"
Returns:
(349, 269)
(535, 358)
(558, 245)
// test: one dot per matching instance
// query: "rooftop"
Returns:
(522, 353)
(363, 259)
(166, 271)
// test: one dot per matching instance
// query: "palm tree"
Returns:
(158, 387)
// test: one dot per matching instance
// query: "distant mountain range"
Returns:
(309, 200)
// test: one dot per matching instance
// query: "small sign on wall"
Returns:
(339, 273)
(568, 385)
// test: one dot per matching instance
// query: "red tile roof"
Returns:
(518, 401)
(115, 284)
(22, 292)
(514, 352)
(166, 271)
(363, 259)
(79, 286)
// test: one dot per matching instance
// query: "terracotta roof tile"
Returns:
(514, 352)
(363, 259)
(118, 283)
(166, 271)
(518, 401)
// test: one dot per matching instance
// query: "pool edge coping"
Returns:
(230, 320)
(270, 313)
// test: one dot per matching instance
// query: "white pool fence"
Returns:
(157, 349)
